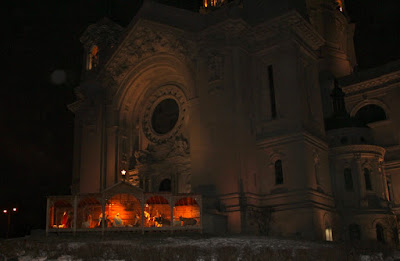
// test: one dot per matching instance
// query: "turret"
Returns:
(330, 20)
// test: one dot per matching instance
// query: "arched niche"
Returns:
(89, 210)
(157, 212)
(61, 213)
(370, 111)
(186, 212)
(122, 210)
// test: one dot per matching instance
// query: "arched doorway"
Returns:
(157, 212)
(186, 212)
(88, 211)
(61, 214)
(380, 236)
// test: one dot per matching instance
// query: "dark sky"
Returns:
(36, 127)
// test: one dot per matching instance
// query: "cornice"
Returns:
(290, 138)
(297, 24)
(384, 81)
(392, 165)
(358, 149)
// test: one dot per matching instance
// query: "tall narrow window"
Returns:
(367, 177)
(389, 185)
(93, 58)
(272, 91)
(278, 172)
(328, 234)
(380, 236)
(348, 179)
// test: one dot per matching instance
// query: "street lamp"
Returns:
(8, 212)
(123, 173)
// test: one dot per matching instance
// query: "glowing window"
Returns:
(328, 234)
(93, 58)
(340, 5)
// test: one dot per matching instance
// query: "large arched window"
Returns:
(278, 172)
(370, 113)
(367, 177)
(380, 236)
(348, 179)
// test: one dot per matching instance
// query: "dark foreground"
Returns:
(196, 247)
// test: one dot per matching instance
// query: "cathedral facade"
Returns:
(254, 106)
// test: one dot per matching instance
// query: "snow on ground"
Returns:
(200, 248)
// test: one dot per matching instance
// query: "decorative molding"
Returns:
(105, 33)
(385, 81)
(359, 150)
(169, 91)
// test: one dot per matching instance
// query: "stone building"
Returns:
(251, 104)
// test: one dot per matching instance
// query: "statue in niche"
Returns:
(181, 146)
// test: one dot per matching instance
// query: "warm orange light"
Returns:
(95, 50)
(123, 172)
(5, 211)
(340, 3)
(205, 3)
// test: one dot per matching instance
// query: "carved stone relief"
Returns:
(166, 92)
(146, 40)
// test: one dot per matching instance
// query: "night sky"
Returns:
(41, 40)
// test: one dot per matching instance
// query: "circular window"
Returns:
(165, 116)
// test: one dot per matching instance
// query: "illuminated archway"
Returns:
(122, 210)
(186, 212)
(157, 212)
(61, 214)
(88, 211)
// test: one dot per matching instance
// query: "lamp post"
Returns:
(123, 174)
(8, 213)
